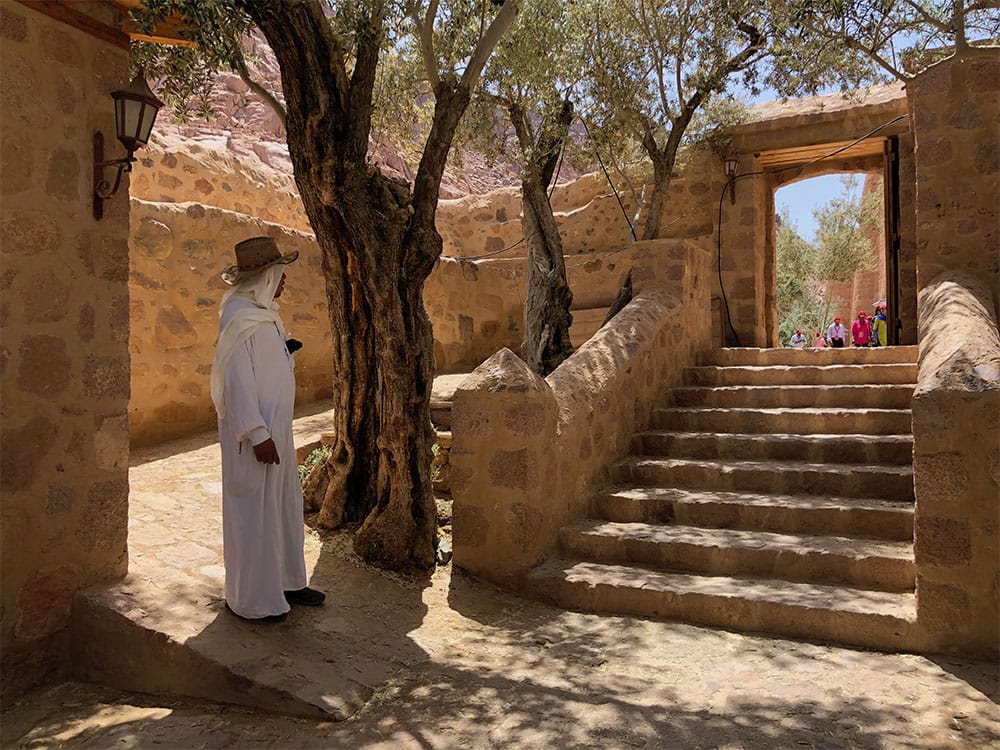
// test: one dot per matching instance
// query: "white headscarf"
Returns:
(240, 321)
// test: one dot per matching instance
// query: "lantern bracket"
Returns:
(103, 189)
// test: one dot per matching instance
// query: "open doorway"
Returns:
(830, 258)
(803, 181)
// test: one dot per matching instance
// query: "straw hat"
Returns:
(253, 256)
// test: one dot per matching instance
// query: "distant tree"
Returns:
(376, 235)
(859, 40)
(526, 103)
(657, 64)
(843, 247)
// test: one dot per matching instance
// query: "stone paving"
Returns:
(452, 663)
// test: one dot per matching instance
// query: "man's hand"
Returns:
(267, 452)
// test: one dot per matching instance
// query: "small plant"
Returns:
(435, 463)
(313, 460)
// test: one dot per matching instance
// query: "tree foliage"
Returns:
(869, 40)
(844, 245)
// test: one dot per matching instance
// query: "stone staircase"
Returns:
(773, 493)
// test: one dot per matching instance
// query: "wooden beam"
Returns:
(803, 154)
(169, 31)
(62, 11)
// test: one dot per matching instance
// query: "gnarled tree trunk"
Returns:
(546, 305)
(378, 245)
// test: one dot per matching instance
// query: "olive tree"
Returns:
(376, 235)
(526, 105)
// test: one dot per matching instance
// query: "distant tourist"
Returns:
(798, 340)
(879, 328)
(835, 334)
(253, 388)
(860, 330)
(819, 342)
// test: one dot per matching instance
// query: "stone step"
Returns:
(872, 619)
(884, 450)
(859, 563)
(793, 421)
(172, 636)
(441, 415)
(788, 514)
(729, 357)
(586, 323)
(875, 374)
(779, 477)
(797, 396)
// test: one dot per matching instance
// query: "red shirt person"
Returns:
(860, 330)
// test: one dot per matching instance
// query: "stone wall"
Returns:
(206, 169)
(178, 251)
(527, 452)
(587, 211)
(956, 466)
(64, 358)
(956, 115)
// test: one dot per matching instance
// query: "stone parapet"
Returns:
(956, 466)
(527, 452)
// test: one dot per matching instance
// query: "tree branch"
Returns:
(927, 17)
(268, 98)
(504, 19)
(425, 30)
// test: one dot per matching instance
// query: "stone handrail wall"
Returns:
(956, 466)
(527, 452)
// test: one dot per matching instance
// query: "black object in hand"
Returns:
(293, 345)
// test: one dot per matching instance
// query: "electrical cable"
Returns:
(731, 184)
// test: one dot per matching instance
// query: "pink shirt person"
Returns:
(860, 330)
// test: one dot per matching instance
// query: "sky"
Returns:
(800, 198)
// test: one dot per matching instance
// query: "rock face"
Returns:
(244, 125)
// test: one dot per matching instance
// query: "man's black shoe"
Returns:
(306, 597)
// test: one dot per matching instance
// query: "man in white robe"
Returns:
(253, 388)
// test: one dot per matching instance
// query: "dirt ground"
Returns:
(500, 672)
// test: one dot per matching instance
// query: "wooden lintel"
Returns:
(61, 11)
(167, 33)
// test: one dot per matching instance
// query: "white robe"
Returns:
(263, 530)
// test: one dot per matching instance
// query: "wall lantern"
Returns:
(136, 108)
(732, 164)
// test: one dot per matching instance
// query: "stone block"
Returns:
(523, 526)
(106, 377)
(103, 526)
(44, 601)
(13, 26)
(23, 449)
(63, 179)
(941, 608)
(515, 469)
(941, 541)
(17, 163)
(111, 444)
(45, 368)
(85, 323)
(29, 232)
(469, 524)
(939, 479)
(524, 419)
(173, 330)
(152, 239)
